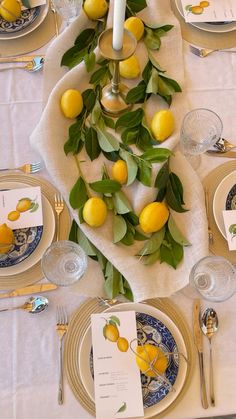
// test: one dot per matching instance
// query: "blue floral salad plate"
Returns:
(153, 327)
(26, 18)
(26, 241)
(224, 199)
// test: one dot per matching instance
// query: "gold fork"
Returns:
(204, 52)
(59, 207)
(53, 9)
(61, 328)
(210, 234)
(28, 168)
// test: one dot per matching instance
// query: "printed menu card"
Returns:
(21, 208)
(209, 11)
(117, 382)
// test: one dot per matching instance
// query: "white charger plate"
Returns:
(85, 347)
(220, 28)
(219, 200)
(46, 239)
(30, 28)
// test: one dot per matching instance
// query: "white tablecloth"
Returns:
(29, 344)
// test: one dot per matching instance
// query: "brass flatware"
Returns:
(31, 66)
(28, 168)
(198, 342)
(217, 153)
(31, 289)
(53, 9)
(59, 207)
(224, 145)
(61, 328)
(204, 52)
(32, 305)
(210, 234)
(22, 59)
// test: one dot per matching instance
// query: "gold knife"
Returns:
(31, 289)
(198, 342)
(230, 154)
(23, 59)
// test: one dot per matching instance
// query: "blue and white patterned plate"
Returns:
(26, 241)
(27, 17)
(153, 331)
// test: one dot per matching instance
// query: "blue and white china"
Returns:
(27, 17)
(26, 241)
(231, 199)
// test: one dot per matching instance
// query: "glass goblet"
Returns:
(201, 129)
(212, 278)
(68, 9)
(64, 262)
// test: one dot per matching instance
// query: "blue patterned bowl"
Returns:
(26, 18)
(231, 199)
(26, 241)
(153, 331)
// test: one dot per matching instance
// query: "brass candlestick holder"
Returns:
(114, 94)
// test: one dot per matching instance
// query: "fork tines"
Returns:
(62, 318)
(35, 167)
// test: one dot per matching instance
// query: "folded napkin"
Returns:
(158, 280)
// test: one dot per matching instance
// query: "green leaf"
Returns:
(162, 177)
(172, 200)
(137, 94)
(144, 140)
(86, 245)
(167, 256)
(90, 61)
(177, 187)
(122, 408)
(74, 143)
(152, 258)
(108, 121)
(96, 113)
(115, 319)
(73, 234)
(73, 57)
(161, 195)
(119, 228)
(107, 141)
(139, 236)
(129, 136)
(172, 82)
(156, 155)
(151, 39)
(153, 244)
(99, 75)
(152, 86)
(132, 218)
(112, 282)
(147, 71)
(91, 143)
(176, 249)
(144, 172)
(78, 194)
(26, 3)
(89, 99)
(105, 186)
(104, 331)
(85, 38)
(112, 156)
(128, 239)
(176, 233)
(165, 88)
(121, 203)
(131, 166)
(155, 63)
(130, 119)
(136, 5)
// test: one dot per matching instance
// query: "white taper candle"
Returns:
(118, 24)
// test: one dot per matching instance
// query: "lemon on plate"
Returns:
(10, 10)
(153, 217)
(6, 238)
(120, 172)
(95, 9)
(130, 68)
(147, 354)
(162, 124)
(95, 212)
(135, 26)
(71, 103)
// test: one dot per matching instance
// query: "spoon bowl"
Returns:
(32, 305)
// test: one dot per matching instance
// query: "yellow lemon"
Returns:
(6, 238)
(197, 10)
(119, 171)
(71, 103)
(204, 3)
(95, 212)
(135, 26)
(148, 353)
(95, 9)
(13, 215)
(130, 68)
(23, 205)
(162, 124)
(10, 10)
(111, 332)
(153, 217)
(122, 344)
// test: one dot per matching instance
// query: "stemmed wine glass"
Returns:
(201, 129)
(68, 9)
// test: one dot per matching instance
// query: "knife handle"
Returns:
(202, 381)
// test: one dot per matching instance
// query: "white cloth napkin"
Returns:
(158, 280)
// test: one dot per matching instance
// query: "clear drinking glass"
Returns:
(64, 262)
(212, 278)
(68, 9)
(201, 129)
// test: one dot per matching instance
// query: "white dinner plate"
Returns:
(46, 239)
(30, 28)
(224, 195)
(85, 347)
(220, 28)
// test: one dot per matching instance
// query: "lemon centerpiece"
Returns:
(120, 171)
(95, 9)
(135, 26)
(6, 238)
(94, 212)
(153, 217)
(162, 124)
(71, 103)
(130, 68)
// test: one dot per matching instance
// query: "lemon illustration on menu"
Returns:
(112, 334)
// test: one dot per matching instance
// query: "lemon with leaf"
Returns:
(162, 124)
(135, 26)
(71, 103)
(153, 217)
(130, 68)
(95, 9)
(95, 212)
(120, 171)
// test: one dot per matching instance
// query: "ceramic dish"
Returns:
(25, 242)
(26, 18)
(155, 327)
(220, 27)
(46, 239)
(224, 199)
(43, 10)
